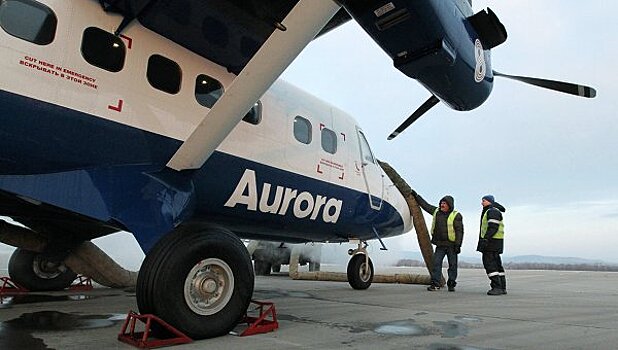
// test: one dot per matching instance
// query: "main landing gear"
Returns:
(36, 272)
(198, 279)
(360, 267)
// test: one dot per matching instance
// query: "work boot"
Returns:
(503, 283)
(432, 288)
(495, 291)
(451, 288)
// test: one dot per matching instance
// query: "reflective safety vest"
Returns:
(449, 224)
(485, 224)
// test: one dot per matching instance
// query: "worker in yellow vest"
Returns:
(491, 243)
(447, 235)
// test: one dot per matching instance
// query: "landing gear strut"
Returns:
(360, 267)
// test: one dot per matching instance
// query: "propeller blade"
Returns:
(567, 88)
(432, 101)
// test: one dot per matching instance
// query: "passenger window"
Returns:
(164, 74)
(302, 130)
(103, 49)
(28, 20)
(254, 116)
(367, 155)
(329, 141)
(207, 90)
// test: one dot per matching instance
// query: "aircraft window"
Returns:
(164, 74)
(28, 20)
(302, 130)
(255, 114)
(329, 141)
(207, 90)
(367, 156)
(103, 49)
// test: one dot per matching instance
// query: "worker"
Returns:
(447, 235)
(491, 244)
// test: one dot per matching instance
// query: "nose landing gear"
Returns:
(360, 267)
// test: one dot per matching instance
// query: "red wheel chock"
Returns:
(259, 324)
(10, 287)
(82, 283)
(144, 340)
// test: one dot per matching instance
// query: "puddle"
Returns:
(17, 333)
(405, 327)
(468, 318)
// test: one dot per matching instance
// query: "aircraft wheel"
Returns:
(198, 280)
(33, 271)
(277, 268)
(360, 275)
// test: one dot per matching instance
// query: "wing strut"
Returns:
(302, 24)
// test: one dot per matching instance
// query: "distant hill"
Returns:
(520, 259)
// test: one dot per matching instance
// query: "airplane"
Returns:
(166, 120)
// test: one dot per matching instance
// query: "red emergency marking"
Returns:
(117, 108)
(129, 41)
(318, 169)
(342, 134)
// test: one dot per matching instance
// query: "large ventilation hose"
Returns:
(87, 259)
(422, 234)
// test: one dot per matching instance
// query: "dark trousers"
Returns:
(436, 271)
(492, 262)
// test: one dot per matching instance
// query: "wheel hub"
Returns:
(209, 286)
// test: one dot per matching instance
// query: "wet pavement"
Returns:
(543, 310)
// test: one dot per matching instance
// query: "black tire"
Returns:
(34, 272)
(277, 268)
(209, 254)
(356, 278)
(262, 268)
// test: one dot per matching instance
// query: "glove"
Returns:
(482, 245)
(457, 250)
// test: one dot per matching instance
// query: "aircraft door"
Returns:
(372, 173)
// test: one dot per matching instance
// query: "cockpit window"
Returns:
(164, 74)
(28, 20)
(367, 155)
(103, 49)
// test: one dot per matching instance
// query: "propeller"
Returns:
(567, 88)
(560, 86)
(432, 101)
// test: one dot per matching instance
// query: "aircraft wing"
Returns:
(255, 39)
(227, 32)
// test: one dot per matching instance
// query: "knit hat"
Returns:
(489, 198)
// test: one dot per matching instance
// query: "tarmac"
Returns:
(542, 310)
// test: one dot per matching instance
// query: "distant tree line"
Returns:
(522, 266)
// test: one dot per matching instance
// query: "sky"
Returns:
(551, 159)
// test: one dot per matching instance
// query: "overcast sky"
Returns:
(549, 158)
